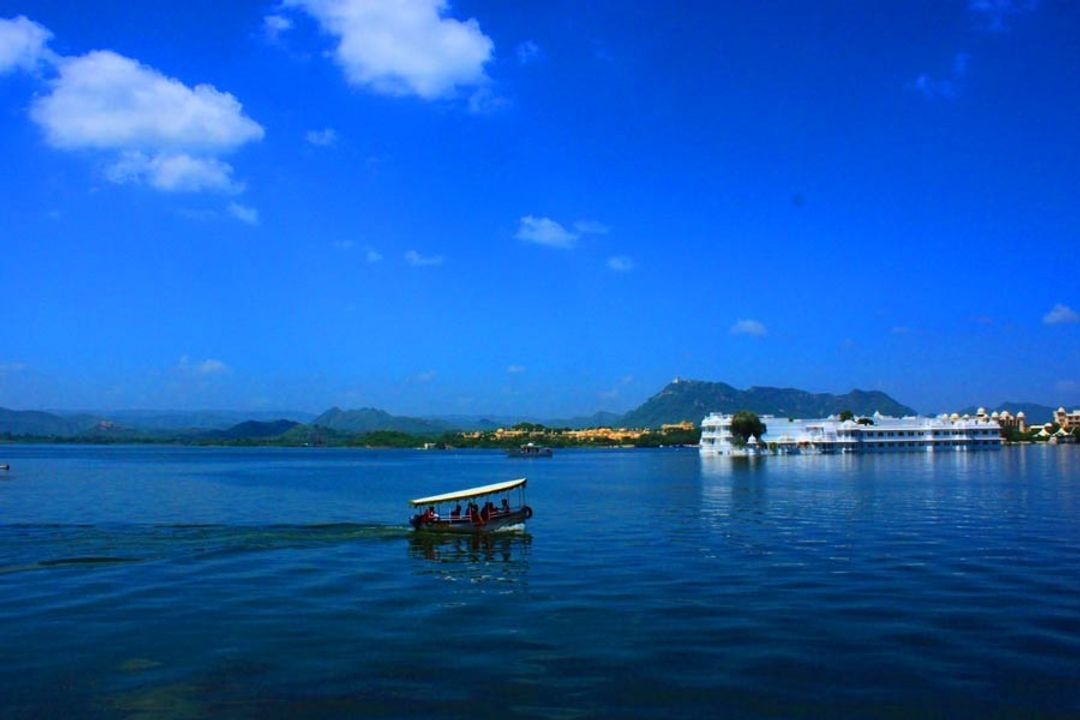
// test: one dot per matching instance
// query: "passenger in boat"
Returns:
(474, 515)
(506, 506)
(456, 512)
(485, 512)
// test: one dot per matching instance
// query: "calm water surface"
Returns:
(190, 583)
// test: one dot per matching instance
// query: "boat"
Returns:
(445, 514)
(529, 450)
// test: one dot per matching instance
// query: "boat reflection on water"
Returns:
(474, 559)
(505, 547)
(480, 557)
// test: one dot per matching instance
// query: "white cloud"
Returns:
(202, 368)
(1061, 315)
(748, 327)
(173, 172)
(22, 44)
(372, 255)
(900, 330)
(515, 369)
(244, 213)
(106, 101)
(425, 376)
(167, 134)
(545, 231)
(527, 52)
(322, 138)
(621, 263)
(343, 244)
(274, 25)
(414, 258)
(1067, 386)
(405, 47)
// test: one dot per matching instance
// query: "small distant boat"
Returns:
(475, 517)
(5, 466)
(529, 450)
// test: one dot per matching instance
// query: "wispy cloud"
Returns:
(424, 377)
(202, 368)
(344, 244)
(947, 88)
(591, 227)
(406, 47)
(900, 330)
(416, 259)
(614, 392)
(548, 232)
(243, 213)
(322, 138)
(527, 52)
(1067, 386)
(1061, 315)
(515, 369)
(485, 101)
(620, 263)
(993, 14)
(10, 368)
(275, 25)
(372, 255)
(748, 327)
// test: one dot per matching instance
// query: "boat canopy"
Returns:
(470, 493)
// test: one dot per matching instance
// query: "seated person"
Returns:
(456, 512)
(505, 505)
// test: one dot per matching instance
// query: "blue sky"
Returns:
(537, 208)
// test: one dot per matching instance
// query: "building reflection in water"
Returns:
(480, 557)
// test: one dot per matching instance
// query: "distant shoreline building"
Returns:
(1067, 421)
(825, 436)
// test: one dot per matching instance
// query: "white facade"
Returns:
(830, 435)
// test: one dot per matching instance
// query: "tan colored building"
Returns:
(1008, 421)
(684, 425)
(1067, 420)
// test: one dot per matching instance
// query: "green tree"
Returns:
(846, 415)
(744, 424)
(865, 421)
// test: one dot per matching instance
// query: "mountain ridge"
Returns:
(691, 400)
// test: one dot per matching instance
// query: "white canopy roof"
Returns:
(470, 493)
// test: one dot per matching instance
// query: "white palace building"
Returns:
(788, 436)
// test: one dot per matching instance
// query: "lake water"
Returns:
(161, 582)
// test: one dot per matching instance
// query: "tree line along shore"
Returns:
(300, 435)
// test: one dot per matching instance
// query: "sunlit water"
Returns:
(188, 583)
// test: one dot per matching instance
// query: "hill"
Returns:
(167, 421)
(45, 424)
(371, 419)
(693, 399)
(251, 430)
